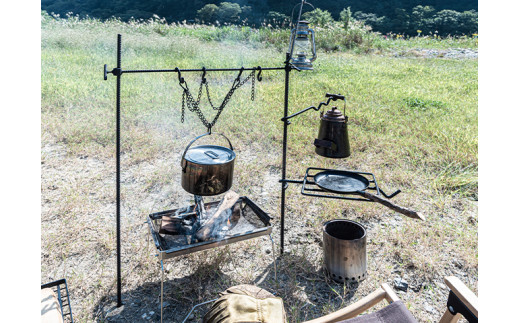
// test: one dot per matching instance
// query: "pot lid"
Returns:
(209, 155)
(333, 115)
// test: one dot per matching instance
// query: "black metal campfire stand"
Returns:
(118, 72)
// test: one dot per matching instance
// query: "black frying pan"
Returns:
(342, 182)
(345, 182)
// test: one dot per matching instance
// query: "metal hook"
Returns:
(209, 129)
(240, 73)
(203, 74)
(259, 76)
(181, 79)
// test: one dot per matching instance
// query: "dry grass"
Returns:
(412, 122)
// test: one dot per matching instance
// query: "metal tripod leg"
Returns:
(162, 283)
(274, 258)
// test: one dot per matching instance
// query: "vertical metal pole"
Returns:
(118, 171)
(274, 259)
(284, 153)
(162, 290)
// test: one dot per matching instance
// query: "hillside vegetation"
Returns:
(441, 17)
(358, 37)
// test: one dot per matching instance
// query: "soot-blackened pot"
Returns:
(207, 169)
(332, 141)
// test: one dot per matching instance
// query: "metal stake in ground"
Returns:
(118, 171)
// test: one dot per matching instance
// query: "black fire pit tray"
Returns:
(310, 188)
(254, 222)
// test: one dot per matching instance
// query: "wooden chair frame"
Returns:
(460, 290)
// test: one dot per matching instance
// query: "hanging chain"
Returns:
(194, 105)
(253, 86)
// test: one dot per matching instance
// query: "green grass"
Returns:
(418, 112)
(412, 122)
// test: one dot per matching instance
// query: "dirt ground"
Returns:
(78, 242)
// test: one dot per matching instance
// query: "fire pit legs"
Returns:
(210, 301)
(200, 304)
(274, 259)
(162, 290)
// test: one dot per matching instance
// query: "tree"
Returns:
(229, 12)
(447, 22)
(422, 19)
(401, 16)
(277, 19)
(345, 16)
(381, 24)
(318, 17)
(246, 12)
(468, 21)
(401, 22)
(208, 13)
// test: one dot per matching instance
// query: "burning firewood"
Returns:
(219, 217)
(177, 224)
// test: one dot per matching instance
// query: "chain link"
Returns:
(194, 105)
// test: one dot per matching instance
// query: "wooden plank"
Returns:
(391, 296)
(449, 318)
(463, 293)
(353, 310)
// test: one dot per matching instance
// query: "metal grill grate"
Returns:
(253, 222)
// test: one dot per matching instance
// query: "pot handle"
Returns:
(329, 144)
(183, 160)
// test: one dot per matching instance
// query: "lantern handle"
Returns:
(301, 9)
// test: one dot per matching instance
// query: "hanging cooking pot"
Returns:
(332, 141)
(207, 169)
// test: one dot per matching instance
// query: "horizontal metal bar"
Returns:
(330, 96)
(290, 181)
(314, 189)
(336, 197)
(299, 112)
(54, 283)
(188, 249)
(202, 70)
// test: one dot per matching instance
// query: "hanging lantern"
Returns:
(300, 46)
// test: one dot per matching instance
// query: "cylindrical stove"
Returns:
(345, 250)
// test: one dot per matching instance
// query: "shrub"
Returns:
(319, 17)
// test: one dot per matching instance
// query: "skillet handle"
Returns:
(409, 213)
(183, 161)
